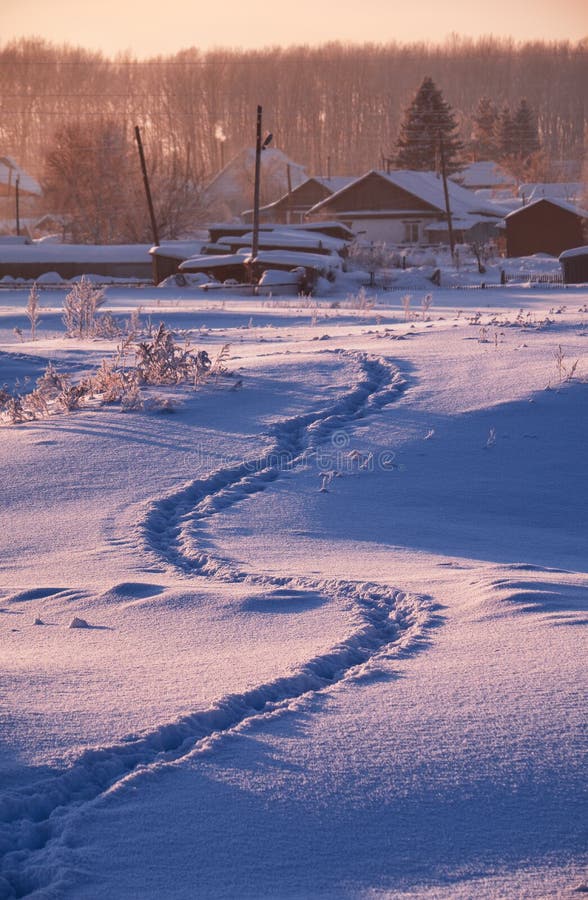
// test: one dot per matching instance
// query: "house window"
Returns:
(411, 232)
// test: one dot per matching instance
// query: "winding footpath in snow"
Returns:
(34, 819)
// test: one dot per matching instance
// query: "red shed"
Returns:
(545, 226)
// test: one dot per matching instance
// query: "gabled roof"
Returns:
(333, 183)
(562, 204)
(330, 184)
(427, 187)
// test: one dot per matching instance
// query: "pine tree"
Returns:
(525, 133)
(484, 144)
(427, 119)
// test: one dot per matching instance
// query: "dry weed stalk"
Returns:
(32, 310)
(159, 361)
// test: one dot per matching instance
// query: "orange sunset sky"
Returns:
(148, 28)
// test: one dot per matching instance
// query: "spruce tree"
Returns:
(525, 133)
(428, 119)
(505, 137)
(484, 144)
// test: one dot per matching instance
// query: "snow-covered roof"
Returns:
(10, 171)
(483, 174)
(45, 252)
(504, 201)
(212, 261)
(290, 258)
(282, 237)
(426, 186)
(570, 191)
(461, 223)
(575, 251)
(12, 239)
(299, 258)
(333, 183)
(562, 204)
(319, 226)
(177, 249)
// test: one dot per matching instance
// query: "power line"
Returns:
(62, 96)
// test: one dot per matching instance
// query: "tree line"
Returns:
(428, 137)
(338, 108)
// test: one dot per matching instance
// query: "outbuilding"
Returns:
(575, 265)
(31, 261)
(545, 226)
(166, 257)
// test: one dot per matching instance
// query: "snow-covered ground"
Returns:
(337, 604)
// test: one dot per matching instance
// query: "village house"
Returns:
(292, 207)
(406, 207)
(545, 226)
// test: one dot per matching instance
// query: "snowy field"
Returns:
(336, 603)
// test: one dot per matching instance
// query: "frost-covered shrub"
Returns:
(406, 300)
(14, 411)
(162, 361)
(107, 326)
(79, 309)
(372, 256)
(32, 310)
(361, 300)
(158, 361)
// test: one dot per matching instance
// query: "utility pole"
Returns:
(289, 177)
(446, 192)
(147, 188)
(17, 200)
(259, 146)
(255, 242)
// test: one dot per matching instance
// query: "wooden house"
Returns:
(292, 207)
(405, 207)
(545, 226)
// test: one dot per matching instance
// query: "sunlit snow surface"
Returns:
(337, 615)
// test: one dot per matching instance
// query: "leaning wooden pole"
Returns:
(147, 188)
(446, 192)
(17, 201)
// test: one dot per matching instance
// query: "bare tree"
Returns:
(337, 106)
